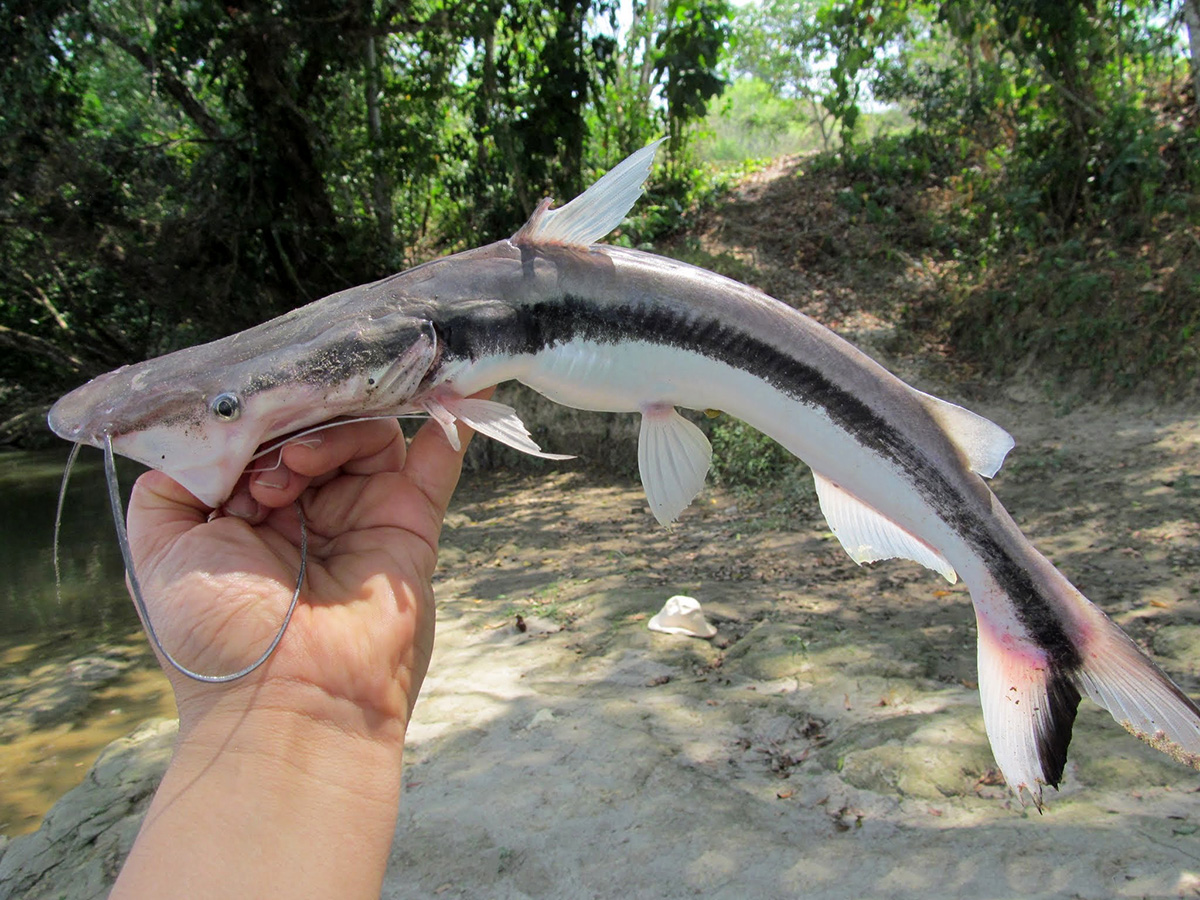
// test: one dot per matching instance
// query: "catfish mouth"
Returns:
(201, 480)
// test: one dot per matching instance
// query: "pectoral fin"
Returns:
(868, 536)
(495, 420)
(673, 459)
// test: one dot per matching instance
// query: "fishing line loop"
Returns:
(135, 588)
(295, 438)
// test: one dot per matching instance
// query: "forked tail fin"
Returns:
(1151, 707)
(1030, 692)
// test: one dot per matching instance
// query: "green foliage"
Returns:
(746, 462)
(688, 51)
(822, 54)
(745, 457)
(751, 122)
(1118, 316)
(1059, 156)
(894, 159)
(174, 172)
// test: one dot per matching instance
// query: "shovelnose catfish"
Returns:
(898, 473)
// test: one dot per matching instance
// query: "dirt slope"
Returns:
(828, 742)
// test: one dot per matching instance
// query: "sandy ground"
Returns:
(828, 742)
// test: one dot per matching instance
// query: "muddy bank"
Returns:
(62, 701)
(827, 742)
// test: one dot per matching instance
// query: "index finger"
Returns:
(360, 448)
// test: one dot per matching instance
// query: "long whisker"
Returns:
(58, 512)
(293, 438)
(135, 588)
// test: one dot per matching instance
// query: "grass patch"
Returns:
(758, 470)
(1120, 316)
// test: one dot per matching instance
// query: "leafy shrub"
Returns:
(745, 457)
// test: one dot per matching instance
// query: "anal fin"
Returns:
(867, 536)
(673, 460)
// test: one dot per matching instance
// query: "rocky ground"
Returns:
(826, 743)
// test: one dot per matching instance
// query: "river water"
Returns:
(42, 630)
(93, 596)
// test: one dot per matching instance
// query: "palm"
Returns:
(363, 631)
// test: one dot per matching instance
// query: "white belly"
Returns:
(632, 376)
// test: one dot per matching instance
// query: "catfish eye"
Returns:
(226, 407)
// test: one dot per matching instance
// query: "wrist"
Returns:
(374, 709)
(273, 798)
(292, 723)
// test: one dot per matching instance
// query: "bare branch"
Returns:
(31, 343)
(167, 79)
(41, 297)
(24, 423)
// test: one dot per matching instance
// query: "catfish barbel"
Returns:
(898, 473)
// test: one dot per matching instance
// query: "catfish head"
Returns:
(200, 414)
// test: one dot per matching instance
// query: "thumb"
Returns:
(433, 465)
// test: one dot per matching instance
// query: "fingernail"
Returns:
(241, 505)
(274, 478)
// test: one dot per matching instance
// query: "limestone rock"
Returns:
(78, 851)
(931, 756)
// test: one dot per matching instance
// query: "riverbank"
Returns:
(61, 703)
(828, 741)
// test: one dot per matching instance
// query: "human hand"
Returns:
(287, 782)
(359, 643)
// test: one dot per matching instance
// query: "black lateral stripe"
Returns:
(530, 328)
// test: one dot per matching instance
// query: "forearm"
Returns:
(269, 802)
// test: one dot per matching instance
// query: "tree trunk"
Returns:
(380, 183)
(1191, 15)
(651, 16)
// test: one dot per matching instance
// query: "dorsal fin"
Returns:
(982, 441)
(596, 211)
